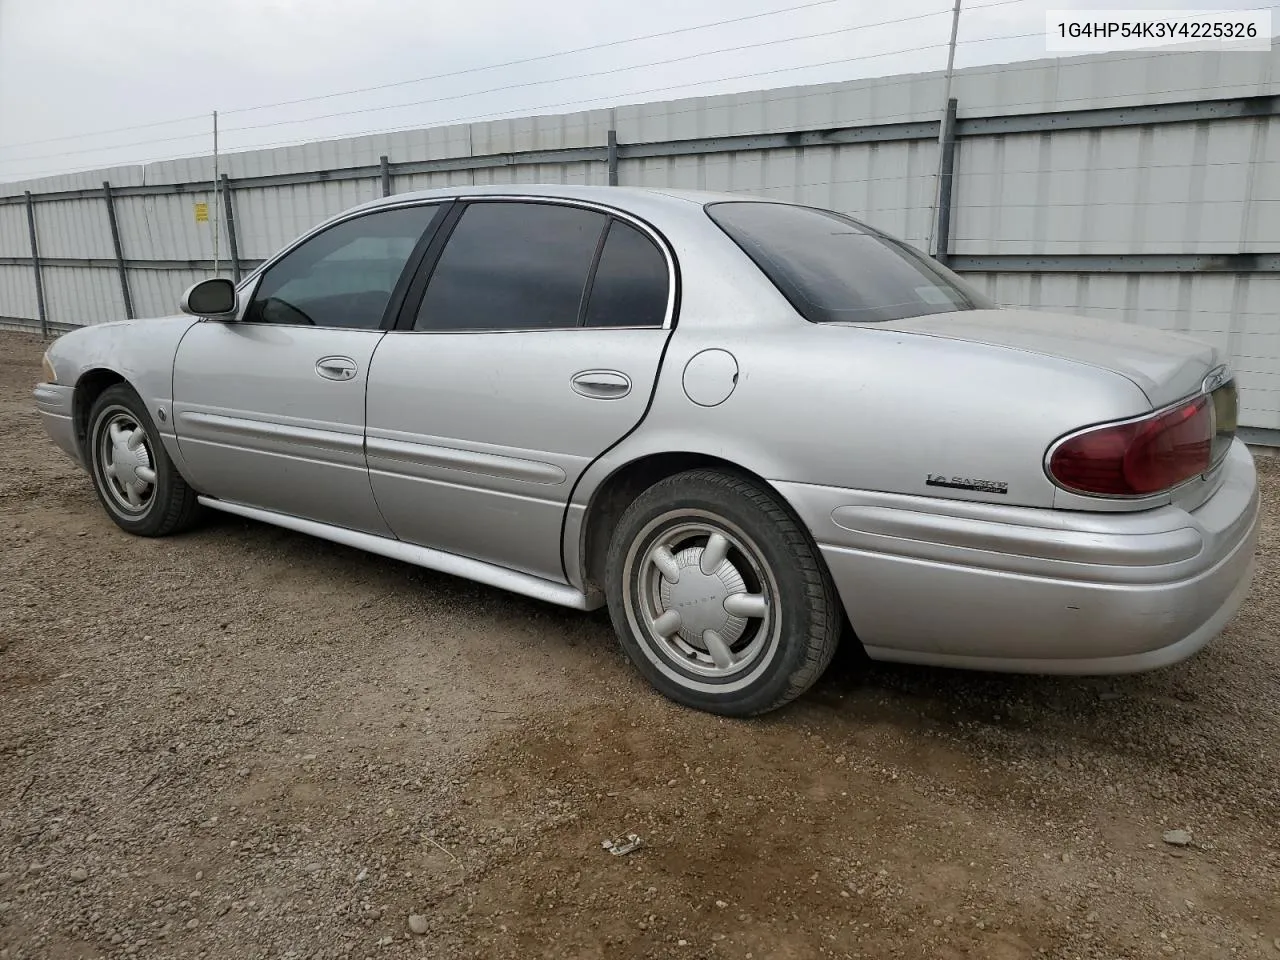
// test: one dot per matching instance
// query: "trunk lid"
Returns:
(1166, 366)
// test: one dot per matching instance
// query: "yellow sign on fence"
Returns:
(202, 213)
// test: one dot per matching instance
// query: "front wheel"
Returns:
(719, 596)
(136, 481)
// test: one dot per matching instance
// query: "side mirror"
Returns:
(215, 298)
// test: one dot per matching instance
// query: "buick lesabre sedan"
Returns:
(748, 427)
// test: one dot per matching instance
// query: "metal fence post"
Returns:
(385, 169)
(118, 247)
(945, 172)
(613, 158)
(232, 243)
(35, 264)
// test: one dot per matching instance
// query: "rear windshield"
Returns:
(836, 270)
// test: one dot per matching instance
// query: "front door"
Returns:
(269, 410)
(534, 347)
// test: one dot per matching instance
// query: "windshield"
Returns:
(836, 270)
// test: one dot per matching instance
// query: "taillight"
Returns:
(1139, 457)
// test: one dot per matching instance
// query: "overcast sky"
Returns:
(76, 69)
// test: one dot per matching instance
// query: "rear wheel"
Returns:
(719, 596)
(136, 481)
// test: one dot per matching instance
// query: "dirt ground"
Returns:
(246, 743)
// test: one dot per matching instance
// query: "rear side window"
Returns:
(512, 266)
(834, 269)
(631, 282)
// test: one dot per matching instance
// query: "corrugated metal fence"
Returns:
(1143, 187)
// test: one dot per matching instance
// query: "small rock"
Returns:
(417, 924)
(78, 875)
(682, 943)
(1177, 838)
(192, 923)
(721, 904)
(35, 869)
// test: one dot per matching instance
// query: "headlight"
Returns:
(46, 368)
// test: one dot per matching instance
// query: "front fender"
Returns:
(139, 352)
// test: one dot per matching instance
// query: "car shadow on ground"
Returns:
(1127, 716)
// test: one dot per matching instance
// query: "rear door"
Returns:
(269, 410)
(528, 346)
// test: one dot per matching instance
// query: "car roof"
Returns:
(637, 200)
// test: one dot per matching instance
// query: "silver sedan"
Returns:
(750, 428)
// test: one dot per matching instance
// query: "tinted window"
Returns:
(512, 266)
(835, 269)
(630, 286)
(344, 276)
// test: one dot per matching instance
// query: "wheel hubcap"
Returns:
(705, 599)
(128, 469)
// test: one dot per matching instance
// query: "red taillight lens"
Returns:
(1139, 457)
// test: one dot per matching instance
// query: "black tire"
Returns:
(770, 564)
(166, 504)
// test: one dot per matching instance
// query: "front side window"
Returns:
(836, 270)
(512, 266)
(344, 276)
(631, 281)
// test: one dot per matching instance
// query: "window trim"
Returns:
(584, 301)
(249, 285)
(418, 287)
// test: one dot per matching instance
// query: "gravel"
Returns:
(245, 743)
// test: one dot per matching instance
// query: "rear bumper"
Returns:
(1039, 591)
(54, 404)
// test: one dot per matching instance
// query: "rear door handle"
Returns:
(336, 368)
(601, 384)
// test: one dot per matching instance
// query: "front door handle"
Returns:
(601, 384)
(336, 368)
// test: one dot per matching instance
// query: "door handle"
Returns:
(336, 368)
(601, 384)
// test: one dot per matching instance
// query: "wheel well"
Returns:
(89, 387)
(624, 485)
